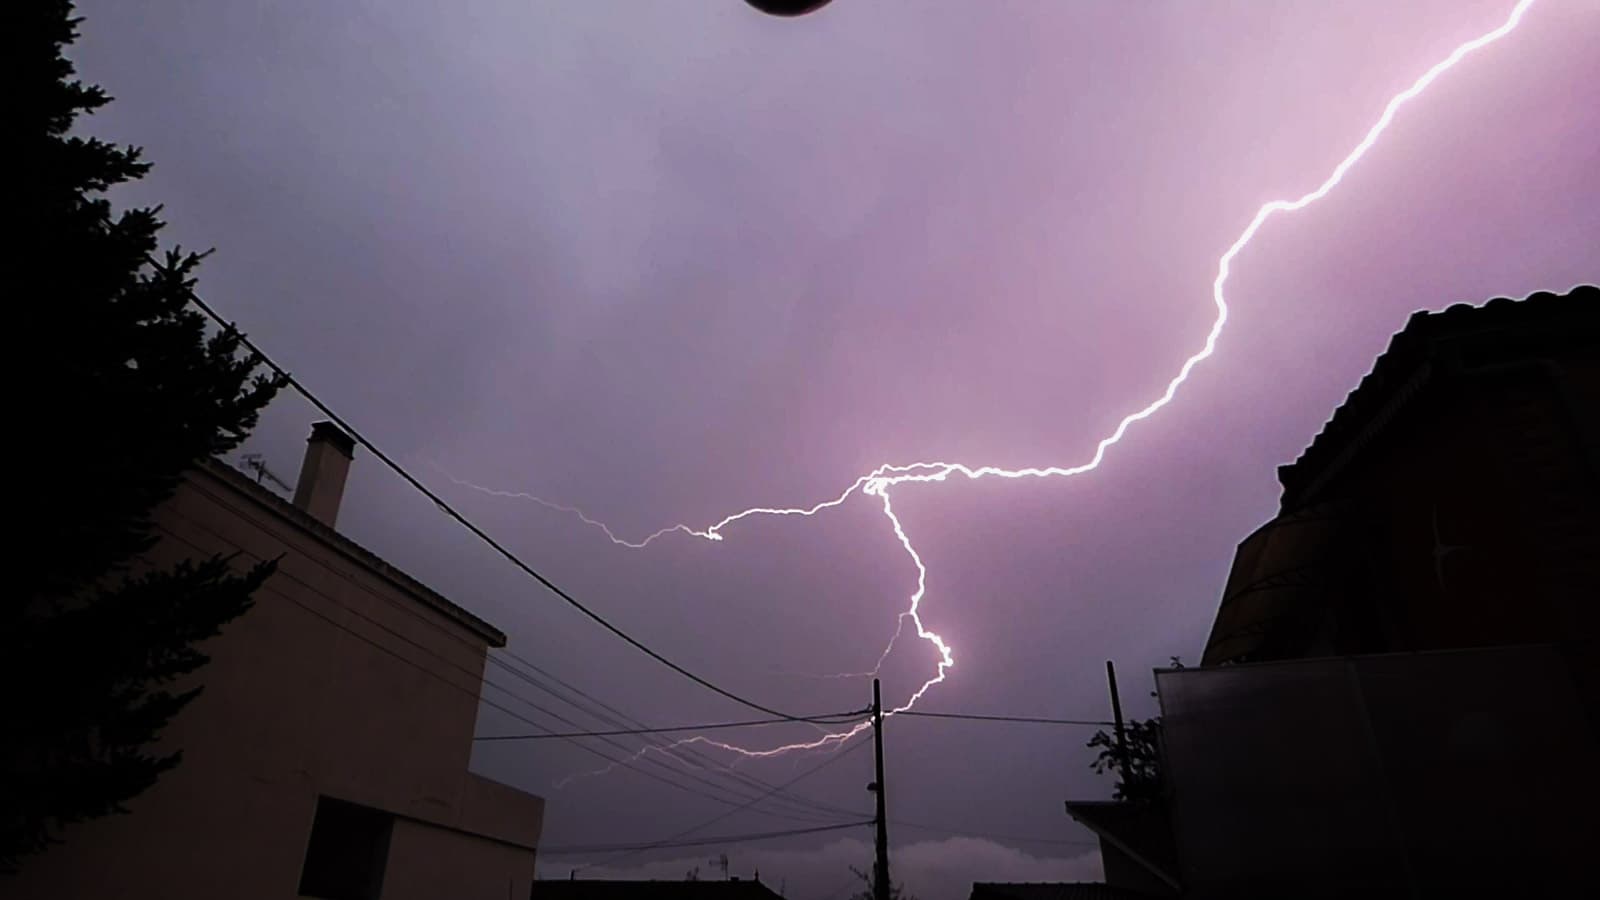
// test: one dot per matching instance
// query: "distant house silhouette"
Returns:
(1049, 891)
(327, 756)
(1398, 697)
(593, 889)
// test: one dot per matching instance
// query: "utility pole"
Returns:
(880, 870)
(1122, 738)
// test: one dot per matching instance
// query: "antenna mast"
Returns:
(257, 464)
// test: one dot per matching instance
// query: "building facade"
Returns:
(1450, 773)
(1450, 502)
(327, 755)
(1400, 694)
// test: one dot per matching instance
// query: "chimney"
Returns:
(321, 485)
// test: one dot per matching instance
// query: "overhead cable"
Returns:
(466, 523)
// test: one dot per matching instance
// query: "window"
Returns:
(346, 854)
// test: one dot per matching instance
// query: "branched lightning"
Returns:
(878, 483)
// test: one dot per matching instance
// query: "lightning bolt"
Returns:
(877, 484)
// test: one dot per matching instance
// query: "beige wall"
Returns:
(379, 711)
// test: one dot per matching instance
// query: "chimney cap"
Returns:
(329, 433)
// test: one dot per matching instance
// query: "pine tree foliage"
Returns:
(125, 389)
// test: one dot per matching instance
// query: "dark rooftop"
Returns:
(1544, 325)
(1081, 890)
(651, 890)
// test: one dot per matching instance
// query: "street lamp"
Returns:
(788, 8)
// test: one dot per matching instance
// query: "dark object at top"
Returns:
(737, 889)
(788, 8)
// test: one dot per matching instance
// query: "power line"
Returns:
(572, 736)
(703, 842)
(462, 520)
(1033, 720)
(411, 662)
(838, 755)
(679, 749)
(527, 569)
(807, 807)
(476, 695)
(635, 847)
(715, 726)
(798, 803)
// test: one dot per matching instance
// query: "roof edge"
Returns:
(241, 484)
(1434, 345)
(1105, 834)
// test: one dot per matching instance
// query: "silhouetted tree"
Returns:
(125, 389)
(1141, 779)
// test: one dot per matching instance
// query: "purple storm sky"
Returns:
(665, 261)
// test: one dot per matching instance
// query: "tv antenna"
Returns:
(255, 463)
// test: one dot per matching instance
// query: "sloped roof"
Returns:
(1543, 325)
(555, 889)
(304, 521)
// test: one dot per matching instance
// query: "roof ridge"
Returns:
(337, 539)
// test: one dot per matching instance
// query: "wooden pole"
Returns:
(880, 874)
(1123, 762)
